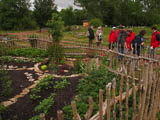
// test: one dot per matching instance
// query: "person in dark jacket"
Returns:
(138, 42)
(121, 40)
(91, 35)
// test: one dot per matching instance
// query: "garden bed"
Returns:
(19, 81)
(23, 109)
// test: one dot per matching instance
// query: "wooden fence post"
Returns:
(108, 112)
(100, 104)
(60, 115)
(42, 116)
(120, 94)
(90, 110)
(75, 113)
(114, 98)
(149, 90)
(134, 96)
(110, 58)
(144, 91)
(127, 96)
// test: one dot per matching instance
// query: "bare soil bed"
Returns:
(23, 109)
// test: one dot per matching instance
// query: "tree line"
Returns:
(22, 14)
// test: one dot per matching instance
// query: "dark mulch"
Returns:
(19, 82)
(20, 64)
(23, 109)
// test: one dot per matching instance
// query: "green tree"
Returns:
(43, 10)
(15, 14)
(56, 26)
(68, 16)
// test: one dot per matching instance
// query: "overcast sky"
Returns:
(63, 3)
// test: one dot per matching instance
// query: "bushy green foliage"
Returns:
(90, 87)
(80, 66)
(96, 22)
(62, 84)
(45, 105)
(6, 84)
(29, 52)
(44, 84)
(3, 109)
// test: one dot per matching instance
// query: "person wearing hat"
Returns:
(99, 34)
(112, 38)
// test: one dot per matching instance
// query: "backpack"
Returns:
(158, 37)
(100, 36)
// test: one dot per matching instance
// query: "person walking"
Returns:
(138, 42)
(112, 38)
(99, 35)
(130, 37)
(121, 39)
(154, 43)
(91, 36)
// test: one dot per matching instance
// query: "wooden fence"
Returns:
(139, 75)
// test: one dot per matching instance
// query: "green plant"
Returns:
(62, 84)
(80, 66)
(37, 117)
(3, 109)
(44, 84)
(44, 67)
(89, 86)
(6, 84)
(53, 66)
(45, 105)
(19, 60)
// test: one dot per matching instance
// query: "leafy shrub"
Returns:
(80, 66)
(45, 105)
(96, 22)
(55, 53)
(3, 109)
(62, 84)
(29, 52)
(90, 86)
(44, 67)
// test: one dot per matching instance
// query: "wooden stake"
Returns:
(148, 91)
(75, 113)
(114, 98)
(127, 96)
(145, 85)
(90, 110)
(60, 115)
(120, 94)
(100, 104)
(134, 96)
(42, 116)
(108, 112)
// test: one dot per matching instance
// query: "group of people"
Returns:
(126, 40)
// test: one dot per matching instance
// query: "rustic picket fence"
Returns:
(144, 82)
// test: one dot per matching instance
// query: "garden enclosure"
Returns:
(138, 88)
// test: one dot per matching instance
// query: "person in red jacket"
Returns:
(130, 37)
(154, 43)
(112, 38)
